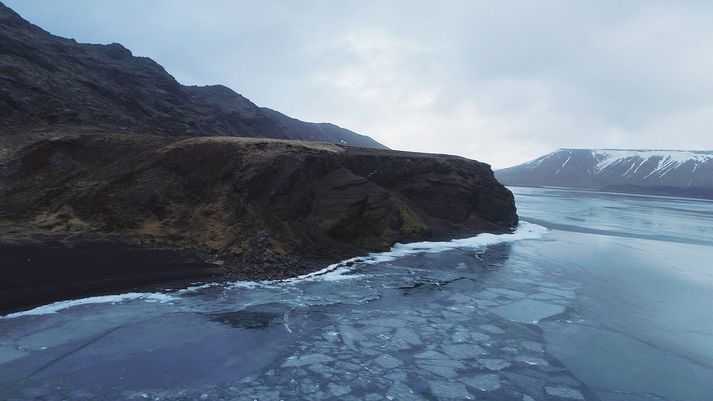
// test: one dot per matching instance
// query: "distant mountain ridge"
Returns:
(663, 172)
(47, 81)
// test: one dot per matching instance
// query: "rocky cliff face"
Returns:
(664, 172)
(275, 204)
(49, 81)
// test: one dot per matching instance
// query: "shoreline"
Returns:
(144, 279)
(37, 274)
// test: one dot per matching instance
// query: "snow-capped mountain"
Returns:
(666, 172)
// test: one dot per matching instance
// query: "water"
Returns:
(611, 302)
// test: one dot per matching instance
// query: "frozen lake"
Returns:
(596, 297)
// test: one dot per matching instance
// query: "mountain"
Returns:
(659, 172)
(47, 81)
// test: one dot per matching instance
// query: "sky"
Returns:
(498, 81)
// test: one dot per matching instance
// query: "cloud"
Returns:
(501, 81)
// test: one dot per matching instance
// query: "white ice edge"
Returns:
(333, 272)
(340, 270)
(524, 230)
(58, 306)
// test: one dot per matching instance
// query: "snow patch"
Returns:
(565, 163)
(536, 162)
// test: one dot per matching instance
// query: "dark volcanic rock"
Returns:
(278, 205)
(49, 81)
(659, 172)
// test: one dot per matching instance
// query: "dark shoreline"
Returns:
(35, 274)
(41, 269)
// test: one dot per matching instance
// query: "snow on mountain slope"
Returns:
(670, 172)
(667, 160)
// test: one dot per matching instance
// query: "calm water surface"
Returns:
(596, 297)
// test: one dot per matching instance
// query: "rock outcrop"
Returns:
(50, 81)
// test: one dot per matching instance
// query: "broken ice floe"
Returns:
(528, 310)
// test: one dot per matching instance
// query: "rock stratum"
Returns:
(50, 81)
(656, 172)
(267, 209)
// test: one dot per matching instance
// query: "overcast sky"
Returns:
(497, 81)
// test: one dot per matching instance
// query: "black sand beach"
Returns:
(35, 274)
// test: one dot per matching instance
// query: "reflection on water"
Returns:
(601, 311)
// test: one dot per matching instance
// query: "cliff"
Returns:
(269, 209)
